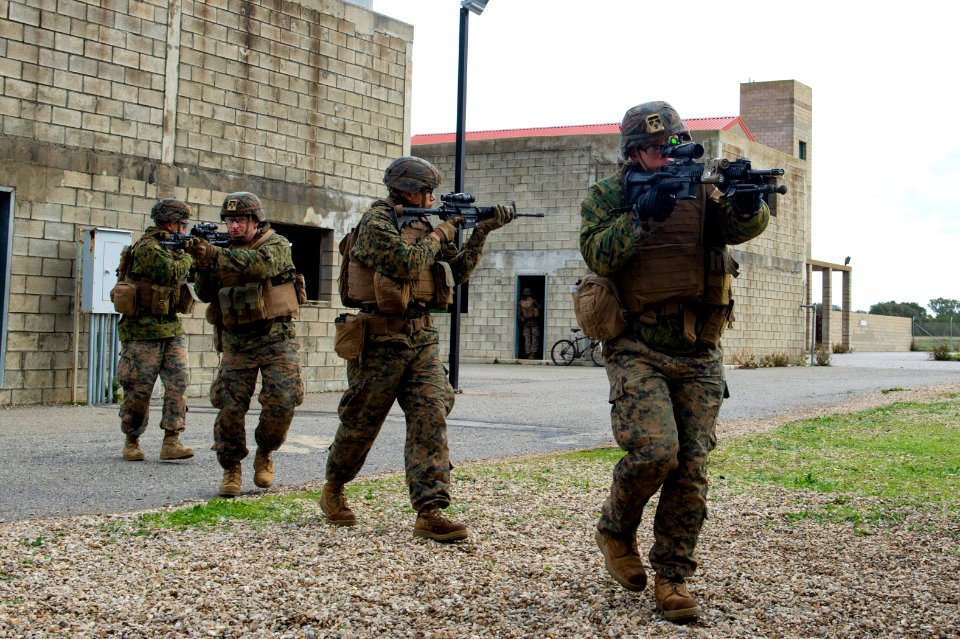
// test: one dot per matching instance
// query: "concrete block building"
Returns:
(551, 169)
(107, 105)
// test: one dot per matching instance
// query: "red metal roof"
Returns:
(694, 124)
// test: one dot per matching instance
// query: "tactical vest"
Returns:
(673, 266)
(134, 295)
(432, 287)
(243, 300)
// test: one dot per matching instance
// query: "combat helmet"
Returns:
(647, 122)
(411, 175)
(169, 210)
(242, 203)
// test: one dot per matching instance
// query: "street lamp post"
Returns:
(477, 7)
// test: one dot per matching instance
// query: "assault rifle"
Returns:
(455, 205)
(204, 230)
(683, 175)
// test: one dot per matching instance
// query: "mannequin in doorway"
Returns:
(528, 312)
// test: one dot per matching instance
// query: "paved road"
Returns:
(64, 460)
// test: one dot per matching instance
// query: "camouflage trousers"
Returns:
(416, 378)
(531, 340)
(663, 412)
(281, 391)
(141, 362)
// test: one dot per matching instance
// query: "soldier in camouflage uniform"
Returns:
(252, 287)
(152, 337)
(666, 368)
(528, 312)
(398, 275)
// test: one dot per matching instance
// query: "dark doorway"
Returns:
(6, 253)
(537, 285)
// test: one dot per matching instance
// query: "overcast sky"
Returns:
(885, 148)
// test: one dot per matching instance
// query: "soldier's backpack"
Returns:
(343, 281)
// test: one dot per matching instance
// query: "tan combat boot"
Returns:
(333, 503)
(431, 524)
(232, 481)
(132, 450)
(173, 449)
(674, 601)
(263, 469)
(622, 561)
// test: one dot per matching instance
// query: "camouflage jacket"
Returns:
(608, 240)
(149, 260)
(270, 261)
(380, 247)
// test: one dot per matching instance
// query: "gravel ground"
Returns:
(530, 568)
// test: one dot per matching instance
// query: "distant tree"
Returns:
(944, 307)
(899, 309)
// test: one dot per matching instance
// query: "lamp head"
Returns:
(476, 6)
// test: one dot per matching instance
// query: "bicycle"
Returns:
(564, 351)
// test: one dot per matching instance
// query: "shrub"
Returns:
(842, 348)
(822, 356)
(775, 360)
(742, 359)
(940, 353)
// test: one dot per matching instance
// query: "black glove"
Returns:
(657, 204)
(746, 205)
(502, 216)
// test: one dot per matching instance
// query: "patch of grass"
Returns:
(906, 452)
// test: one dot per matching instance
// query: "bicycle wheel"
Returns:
(563, 352)
(596, 353)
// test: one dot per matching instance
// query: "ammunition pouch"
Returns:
(184, 299)
(143, 297)
(596, 303)
(349, 338)
(256, 301)
(124, 297)
(720, 269)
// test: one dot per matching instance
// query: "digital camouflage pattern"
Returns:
(663, 415)
(281, 391)
(141, 361)
(243, 203)
(269, 346)
(647, 122)
(608, 240)
(415, 377)
(272, 260)
(401, 367)
(664, 402)
(380, 247)
(151, 261)
(411, 175)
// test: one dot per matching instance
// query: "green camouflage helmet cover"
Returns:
(411, 175)
(242, 203)
(647, 122)
(169, 210)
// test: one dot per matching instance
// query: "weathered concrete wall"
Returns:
(873, 333)
(106, 105)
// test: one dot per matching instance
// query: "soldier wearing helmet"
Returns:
(255, 294)
(528, 313)
(395, 277)
(668, 264)
(152, 289)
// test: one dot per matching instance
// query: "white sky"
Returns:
(885, 148)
